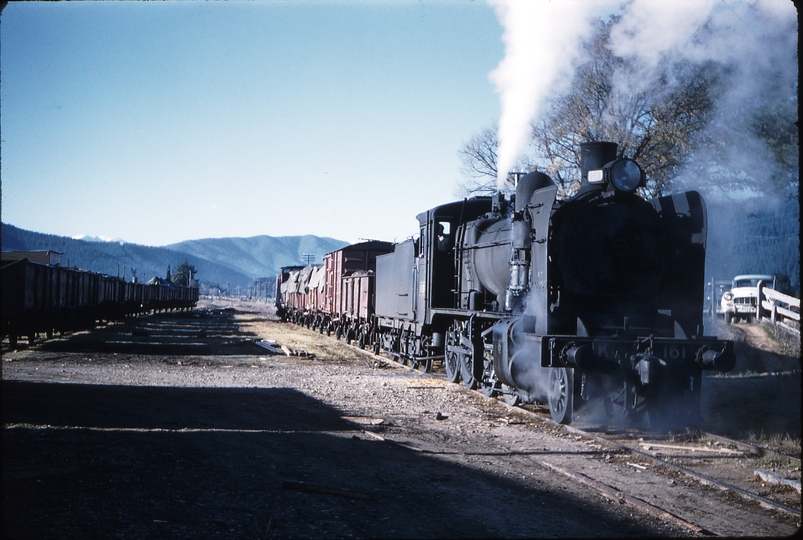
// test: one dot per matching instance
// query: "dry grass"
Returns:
(786, 343)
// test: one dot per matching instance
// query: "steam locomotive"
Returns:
(597, 298)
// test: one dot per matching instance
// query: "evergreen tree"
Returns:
(183, 273)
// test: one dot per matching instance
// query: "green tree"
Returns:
(183, 273)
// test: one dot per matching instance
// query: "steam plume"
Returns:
(543, 39)
(542, 42)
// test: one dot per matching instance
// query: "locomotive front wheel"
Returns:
(561, 395)
(510, 396)
(489, 389)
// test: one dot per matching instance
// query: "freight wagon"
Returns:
(41, 298)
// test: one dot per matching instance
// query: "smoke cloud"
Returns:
(542, 43)
(755, 40)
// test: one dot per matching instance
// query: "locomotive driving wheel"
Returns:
(467, 371)
(451, 361)
(561, 395)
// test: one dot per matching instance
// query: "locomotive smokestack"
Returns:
(593, 155)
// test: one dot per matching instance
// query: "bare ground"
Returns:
(760, 399)
(178, 426)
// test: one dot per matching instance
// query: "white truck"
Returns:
(741, 301)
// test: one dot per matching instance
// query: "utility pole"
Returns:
(309, 258)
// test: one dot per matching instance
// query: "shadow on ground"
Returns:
(765, 405)
(760, 397)
(176, 333)
(89, 461)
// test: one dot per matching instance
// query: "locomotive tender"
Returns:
(596, 298)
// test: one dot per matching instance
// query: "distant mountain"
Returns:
(260, 256)
(232, 262)
(88, 238)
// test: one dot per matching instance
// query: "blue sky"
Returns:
(156, 122)
(161, 122)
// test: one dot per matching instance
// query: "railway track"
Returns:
(700, 456)
(637, 449)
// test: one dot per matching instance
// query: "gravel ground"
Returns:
(178, 426)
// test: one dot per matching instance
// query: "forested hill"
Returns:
(745, 240)
(256, 255)
(229, 262)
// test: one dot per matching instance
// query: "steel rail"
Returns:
(760, 450)
(702, 477)
(705, 478)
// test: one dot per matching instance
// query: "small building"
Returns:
(52, 258)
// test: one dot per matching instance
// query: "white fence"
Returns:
(780, 309)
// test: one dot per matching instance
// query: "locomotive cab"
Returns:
(436, 261)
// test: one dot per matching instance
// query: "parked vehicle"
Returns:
(741, 301)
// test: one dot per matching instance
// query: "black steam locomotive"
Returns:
(596, 298)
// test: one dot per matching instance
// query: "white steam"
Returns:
(755, 39)
(542, 43)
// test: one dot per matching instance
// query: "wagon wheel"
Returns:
(489, 385)
(424, 365)
(561, 395)
(401, 342)
(510, 395)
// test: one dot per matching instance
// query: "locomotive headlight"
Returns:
(625, 174)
